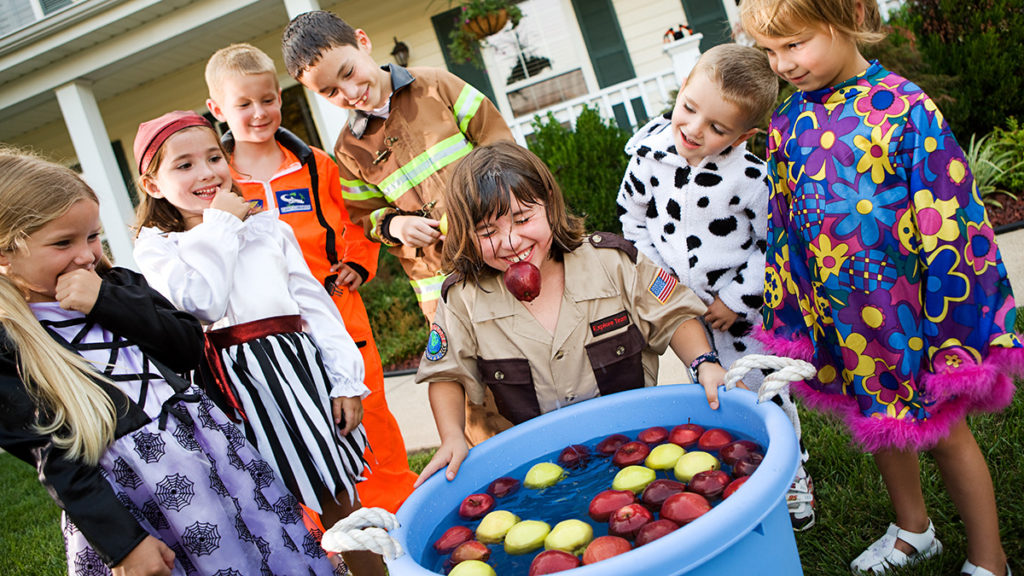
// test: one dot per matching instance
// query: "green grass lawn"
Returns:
(852, 507)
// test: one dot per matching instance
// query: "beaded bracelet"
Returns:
(705, 357)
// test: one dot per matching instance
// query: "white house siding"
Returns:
(643, 27)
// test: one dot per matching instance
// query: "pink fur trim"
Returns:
(800, 348)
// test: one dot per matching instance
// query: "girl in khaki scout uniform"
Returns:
(603, 315)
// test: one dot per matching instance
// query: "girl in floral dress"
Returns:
(152, 477)
(882, 270)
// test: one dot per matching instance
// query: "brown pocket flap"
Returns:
(508, 372)
(614, 349)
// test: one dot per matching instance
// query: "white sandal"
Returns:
(882, 554)
(973, 570)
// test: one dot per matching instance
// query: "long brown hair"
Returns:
(482, 185)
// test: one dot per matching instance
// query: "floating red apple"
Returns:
(714, 439)
(738, 450)
(501, 487)
(609, 445)
(551, 561)
(476, 506)
(574, 456)
(628, 520)
(733, 486)
(605, 502)
(523, 280)
(604, 547)
(653, 530)
(685, 435)
(451, 539)
(658, 491)
(684, 507)
(709, 483)
(746, 466)
(631, 454)
(471, 550)
(653, 436)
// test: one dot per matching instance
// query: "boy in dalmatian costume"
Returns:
(695, 201)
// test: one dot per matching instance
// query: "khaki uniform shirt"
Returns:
(618, 314)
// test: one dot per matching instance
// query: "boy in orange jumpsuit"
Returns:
(274, 167)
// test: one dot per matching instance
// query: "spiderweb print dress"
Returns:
(882, 268)
(188, 476)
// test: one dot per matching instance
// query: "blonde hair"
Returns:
(78, 415)
(237, 60)
(482, 185)
(856, 19)
(745, 78)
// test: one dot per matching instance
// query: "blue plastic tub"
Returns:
(749, 533)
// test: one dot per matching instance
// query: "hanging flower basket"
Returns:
(483, 26)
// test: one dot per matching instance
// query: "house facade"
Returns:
(77, 77)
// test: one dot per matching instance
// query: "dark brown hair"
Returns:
(309, 35)
(482, 186)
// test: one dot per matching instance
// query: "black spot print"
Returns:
(714, 275)
(693, 261)
(652, 209)
(670, 228)
(663, 239)
(627, 188)
(619, 210)
(703, 202)
(638, 186)
(740, 328)
(726, 151)
(746, 245)
(739, 345)
(711, 166)
(660, 155)
(738, 279)
(671, 149)
(667, 115)
(751, 158)
(752, 172)
(753, 301)
(643, 151)
(655, 182)
(682, 176)
(673, 209)
(723, 226)
(707, 179)
(750, 213)
(734, 200)
(692, 242)
(762, 245)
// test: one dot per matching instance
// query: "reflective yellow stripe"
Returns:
(359, 190)
(467, 105)
(375, 218)
(428, 288)
(430, 162)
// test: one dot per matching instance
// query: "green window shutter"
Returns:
(709, 18)
(603, 37)
(444, 23)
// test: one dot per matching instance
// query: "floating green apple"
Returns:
(472, 568)
(664, 456)
(526, 536)
(495, 525)
(570, 536)
(543, 474)
(693, 462)
(633, 478)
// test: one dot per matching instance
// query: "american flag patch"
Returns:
(662, 285)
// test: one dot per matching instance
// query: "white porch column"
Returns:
(329, 118)
(684, 54)
(99, 168)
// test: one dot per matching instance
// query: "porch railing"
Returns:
(630, 104)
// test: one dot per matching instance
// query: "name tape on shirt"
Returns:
(613, 322)
(662, 285)
(437, 343)
(296, 200)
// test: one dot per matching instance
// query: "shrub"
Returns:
(398, 324)
(1011, 141)
(587, 163)
(990, 164)
(981, 42)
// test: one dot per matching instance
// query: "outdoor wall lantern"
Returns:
(400, 53)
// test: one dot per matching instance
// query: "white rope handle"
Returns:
(786, 370)
(364, 529)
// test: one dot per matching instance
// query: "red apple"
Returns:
(523, 280)
(628, 520)
(658, 491)
(653, 436)
(551, 561)
(684, 507)
(471, 550)
(501, 487)
(604, 547)
(476, 506)
(609, 445)
(653, 530)
(709, 483)
(746, 466)
(738, 450)
(685, 435)
(451, 539)
(713, 439)
(733, 486)
(574, 456)
(607, 501)
(631, 454)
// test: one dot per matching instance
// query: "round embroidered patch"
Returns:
(437, 343)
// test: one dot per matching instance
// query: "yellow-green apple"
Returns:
(570, 536)
(472, 568)
(607, 501)
(495, 525)
(633, 478)
(543, 474)
(604, 547)
(693, 462)
(442, 226)
(526, 536)
(664, 456)
(684, 507)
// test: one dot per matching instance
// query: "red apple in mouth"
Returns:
(503, 486)
(653, 530)
(574, 456)
(631, 454)
(451, 539)
(685, 435)
(523, 280)
(609, 445)
(476, 506)
(605, 502)
(628, 520)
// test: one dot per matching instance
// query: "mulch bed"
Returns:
(1011, 212)
(402, 365)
